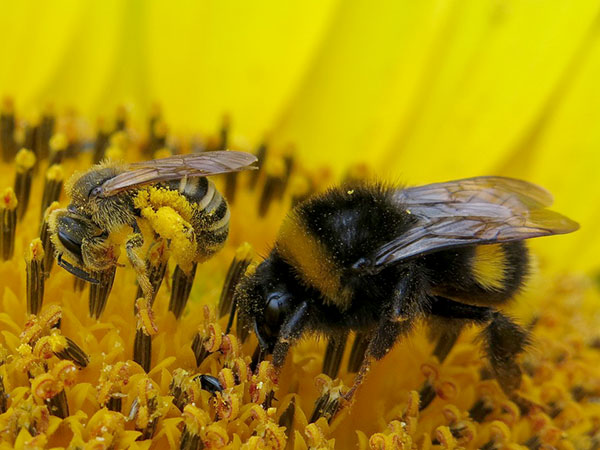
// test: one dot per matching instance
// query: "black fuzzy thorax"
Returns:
(351, 222)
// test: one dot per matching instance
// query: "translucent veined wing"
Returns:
(478, 210)
(177, 167)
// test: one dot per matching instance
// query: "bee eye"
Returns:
(279, 304)
(71, 244)
(95, 192)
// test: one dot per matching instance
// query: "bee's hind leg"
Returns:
(504, 339)
(134, 243)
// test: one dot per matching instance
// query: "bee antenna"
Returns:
(76, 271)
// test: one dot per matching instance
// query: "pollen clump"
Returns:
(68, 380)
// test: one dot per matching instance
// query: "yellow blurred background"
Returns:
(422, 90)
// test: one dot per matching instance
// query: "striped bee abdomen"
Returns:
(210, 217)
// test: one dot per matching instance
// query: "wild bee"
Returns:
(375, 259)
(169, 196)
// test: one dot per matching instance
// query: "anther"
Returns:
(157, 137)
(289, 161)
(3, 397)
(178, 386)
(52, 186)
(99, 292)
(72, 352)
(45, 238)
(275, 170)
(333, 355)
(329, 401)
(34, 262)
(180, 291)
(254, 176)
(237, 268)
(8, 223)
(145, 329)
(481, 409)
(120, 119)
(45, 131)
(357, 353)
(25, 162)
(102, 140)
(8, 145)
(58, 149)
(286, 419)
(300, 189)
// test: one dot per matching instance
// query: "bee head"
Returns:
(71, 233)
(265, 302)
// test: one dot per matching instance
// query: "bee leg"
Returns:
(504, 338)
(381, 342)
(134, 243)
(291, 330)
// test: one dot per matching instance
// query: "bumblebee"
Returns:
(375, 259)
(169, 196)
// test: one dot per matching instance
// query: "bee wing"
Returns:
(479, 210)
(177, 167)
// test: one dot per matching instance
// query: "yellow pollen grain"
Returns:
(156, 197)
(170, 225)
(489, 265)
(24, 160)
(55, 173)
(58, 142)
(9, 199)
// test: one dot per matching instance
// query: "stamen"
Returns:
(25, 162)
(147, 408)
(34, 261)
(357, 353)
(58, 148)
(72, 352)
(3, 396)
(8, 223)
(145, 329)
(300, 189)
(177, 387)
(261, 155)
(52, 187)
(8, 145)
(329, 401)
(180, 292)
(236, 270)
(156, 266)
(275, 169)
(481, 409)
(99, 292)
(45, 131)
(45, 238)
(112, 381)
(286, 419)
(289, 161)
(120, 119)
(78, 284)
(194, 420)
(333, 355)
(102, 140)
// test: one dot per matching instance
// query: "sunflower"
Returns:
(424, 91)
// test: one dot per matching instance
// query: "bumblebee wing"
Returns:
(177, 167)
(480, 210)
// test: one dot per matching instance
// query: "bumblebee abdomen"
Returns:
(482, 274)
